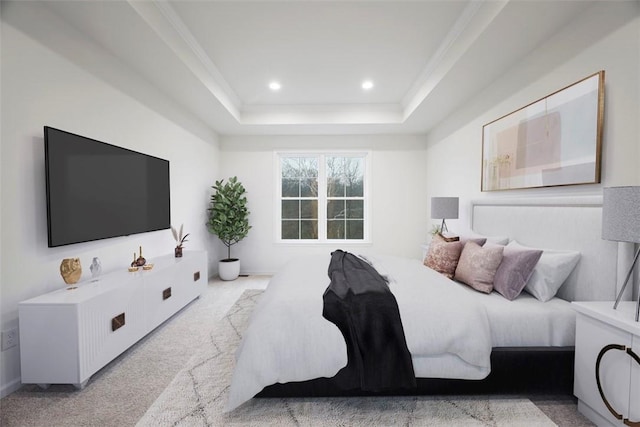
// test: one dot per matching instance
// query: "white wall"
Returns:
(606, 37)
(398, 198)
(53, 76)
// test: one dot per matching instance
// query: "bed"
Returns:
(460, 340)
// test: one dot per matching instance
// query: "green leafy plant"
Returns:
(228, 214)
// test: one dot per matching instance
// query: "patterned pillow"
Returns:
(443, 256)
(478, 265)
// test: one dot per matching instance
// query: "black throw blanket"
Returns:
(358, 301)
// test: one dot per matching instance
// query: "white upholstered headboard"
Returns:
(568, 223)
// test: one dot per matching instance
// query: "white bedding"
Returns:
(447, 331)
(528, 322)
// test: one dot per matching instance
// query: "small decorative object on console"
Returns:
(141, 261)
(96, 268)
(179, 240)
(71, 270)
(147, 266)
(134, 266)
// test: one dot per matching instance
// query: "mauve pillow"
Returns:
(478, 265)
(515, 269)
(481, 239)
(443, 256)
(475, 239)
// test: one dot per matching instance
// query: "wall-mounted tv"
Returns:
(96, 190)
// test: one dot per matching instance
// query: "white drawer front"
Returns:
(591, 337)
(101, 337)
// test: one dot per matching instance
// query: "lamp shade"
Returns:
(444, 207)
(621, 214)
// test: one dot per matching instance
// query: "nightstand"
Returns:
(607, 363)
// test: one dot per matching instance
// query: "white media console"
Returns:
(68, 335)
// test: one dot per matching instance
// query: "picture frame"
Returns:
(554, 141)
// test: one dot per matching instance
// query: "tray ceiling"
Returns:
(216, 59)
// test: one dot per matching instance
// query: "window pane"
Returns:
(290, 229)
(355, 209)
(355, 188)
(290, 187)
(335, 229)
(308, 167)
(308, 229)
(335, 209)
(335, 167)
(309, 187)
(335, 187)
(290, 209)
(354, 176)
(355, 229)
(309, 209)
(290, 167)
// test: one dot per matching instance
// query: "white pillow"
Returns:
(498, 240)
(550, 272)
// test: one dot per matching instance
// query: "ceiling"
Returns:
(216, 59)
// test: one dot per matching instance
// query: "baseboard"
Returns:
(7, 389)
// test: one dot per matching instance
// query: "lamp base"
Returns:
(626, 281)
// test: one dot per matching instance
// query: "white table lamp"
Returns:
(621, 223)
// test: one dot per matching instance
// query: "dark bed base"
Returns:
(539, 370)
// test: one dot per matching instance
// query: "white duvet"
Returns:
(446, 331)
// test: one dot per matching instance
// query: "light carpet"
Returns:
(198, 394)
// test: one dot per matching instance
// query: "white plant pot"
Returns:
(229, 269)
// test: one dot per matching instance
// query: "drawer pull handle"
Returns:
(196, 276)
(117, 322)
(166, 294)
(631, 353)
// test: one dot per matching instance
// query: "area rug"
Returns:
(198, 394)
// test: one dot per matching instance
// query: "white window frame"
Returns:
(321, 155)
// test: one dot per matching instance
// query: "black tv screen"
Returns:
(97, 190)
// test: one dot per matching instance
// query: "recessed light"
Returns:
(367, 84)
(274, 86)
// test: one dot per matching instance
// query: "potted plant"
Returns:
(229, 220)
(180, 240)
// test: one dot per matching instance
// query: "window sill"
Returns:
(323, 243)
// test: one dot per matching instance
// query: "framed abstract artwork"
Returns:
(556, 140)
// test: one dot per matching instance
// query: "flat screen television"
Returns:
(96, 190)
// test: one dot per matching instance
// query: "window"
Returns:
(323, 197)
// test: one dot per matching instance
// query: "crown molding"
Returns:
(471, 23)
(163, 19)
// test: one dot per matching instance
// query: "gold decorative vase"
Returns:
(71, 270)
(141, 260)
